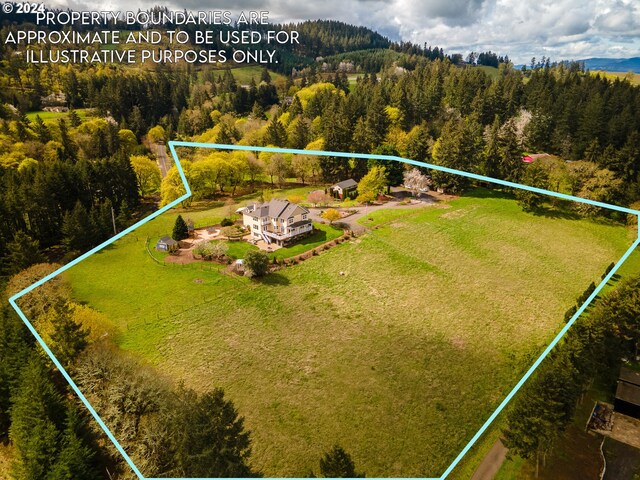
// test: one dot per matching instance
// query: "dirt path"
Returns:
(491, 463)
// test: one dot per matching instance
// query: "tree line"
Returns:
(460, 118)
(167, 430)
(594, 348)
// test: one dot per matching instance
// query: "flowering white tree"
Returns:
(416, 181)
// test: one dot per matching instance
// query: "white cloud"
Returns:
(562, 29)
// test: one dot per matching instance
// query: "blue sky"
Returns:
(560, 29)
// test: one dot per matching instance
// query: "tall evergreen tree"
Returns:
(77, 230)
(295, 108)
(41, 130)
(337, 463)
(208, 436)
(377, 121)
(16, 348)
(510, 153)
(394, 170)
(69, 150)
(301, 134)
(74, 119)
(37, 416)
(276, 134)
(22, 252)
(68, 338)
(419, 143)
(180, 229)
(76, 459)
(450, 151)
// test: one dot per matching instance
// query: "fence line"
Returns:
(146, 246)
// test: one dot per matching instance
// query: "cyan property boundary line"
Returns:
(187, 194)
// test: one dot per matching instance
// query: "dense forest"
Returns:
(66, 184)
(167, 430)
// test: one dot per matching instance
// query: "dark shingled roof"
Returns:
(629, 376)
(275, 209)
(168, 240)
(349, 183)
(628, 392)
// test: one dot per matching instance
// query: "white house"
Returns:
(277, 221)
(342, 188)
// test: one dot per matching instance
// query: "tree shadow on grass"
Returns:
(556, 213)
(615, 278)
(317, 236)
(488, 192)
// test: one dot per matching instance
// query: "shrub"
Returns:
(570, 313)
(226, 222)
(256, 264)
(608, 269)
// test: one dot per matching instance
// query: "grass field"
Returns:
(634, 78)
(49, 116)
(492, 72)
(400, 359)
(243, 75)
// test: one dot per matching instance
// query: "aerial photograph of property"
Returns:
(367, 239)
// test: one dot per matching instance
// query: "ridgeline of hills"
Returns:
(613, 64)
(318, 38)
(358, 44)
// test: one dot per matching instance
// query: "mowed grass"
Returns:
(50, 116)
(492, 72)
(243, 75)
(399, 359)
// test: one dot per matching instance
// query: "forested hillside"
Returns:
(70, 177)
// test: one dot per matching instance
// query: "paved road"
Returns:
(352, 220)
(163, 161)
(491, 463)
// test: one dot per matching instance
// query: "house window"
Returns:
(290, 219)
(304, 216)
(255, 227)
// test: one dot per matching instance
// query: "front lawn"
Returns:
(324, 233)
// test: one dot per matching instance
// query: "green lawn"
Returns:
(243, 75)
(48, 116)
(324, 234)
(492, 72)
(396, 345)
(238, 249)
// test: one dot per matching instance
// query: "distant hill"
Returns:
(613, 64)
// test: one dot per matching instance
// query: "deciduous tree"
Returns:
(256, 264)
(331, 214)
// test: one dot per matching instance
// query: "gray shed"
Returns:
(166, 244)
